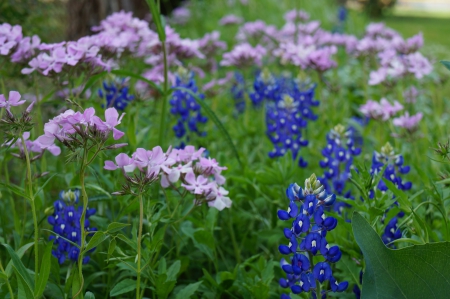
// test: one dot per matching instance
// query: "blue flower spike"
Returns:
(307, 238)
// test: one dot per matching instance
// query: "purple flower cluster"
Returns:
(198, 175)
(307, 238)
(66, 226)
(382, 110)
(66, 126)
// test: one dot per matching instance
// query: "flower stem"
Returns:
(11, 293)
(139, 238)
(33, 205)
(162, 129)
(84, 199)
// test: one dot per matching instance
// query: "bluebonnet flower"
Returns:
(307, 238)
(285, 119)
(338, 160)
(185, 106)
(394, 169)
(116, 94)
(238, 92)
(66, 225)
(265, 87)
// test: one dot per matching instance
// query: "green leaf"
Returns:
(157, 19)
(15, 189)
(19, 267)
(19, 253)
(216, 121)
(111, 248)
(89, 295)
(116, 226)
(188, 291)
(416, 272)
(24, 291)
(123, 287)
(91, 81)
(138, 77)
(173, 271)
(446, 64)
(98, 238)
(44, 271)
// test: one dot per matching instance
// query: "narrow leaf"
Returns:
(98, 238)
(19, 253)
(45, 184)
(116, 226)
(123, 287)
(17, 264)
(188, 291)
(44, 271)
(157, 19)
(24, 289)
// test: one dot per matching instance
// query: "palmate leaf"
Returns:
(419, 271)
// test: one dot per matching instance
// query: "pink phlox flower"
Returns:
(112, 119)
(408, 122)
(6, 46)
(197, 185)
(210, 166)
(388, 109)
(378, 76)
(296, 15)
(153, 160)
(218, 198)
(172, 174)
(13, 100)
(418, 65)
(189, 153)
(123, 161)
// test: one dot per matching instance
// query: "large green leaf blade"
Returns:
(416, 272)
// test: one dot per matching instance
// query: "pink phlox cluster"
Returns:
(210, 44)
(196, 174)
(69, 123)
(408, 122)
(13, 42)
(257, 32)
(230, 20)
(383, 110)
(243, 55)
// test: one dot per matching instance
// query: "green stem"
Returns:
(84, 200)
(162, 127)
(139, 238)
(33, 205)
(11, 293)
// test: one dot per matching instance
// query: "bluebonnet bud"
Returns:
(66, 225)
(116, 94)
(394, 169)
(185, 106)
(238, 92)
(338, 160)
(307, 238)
